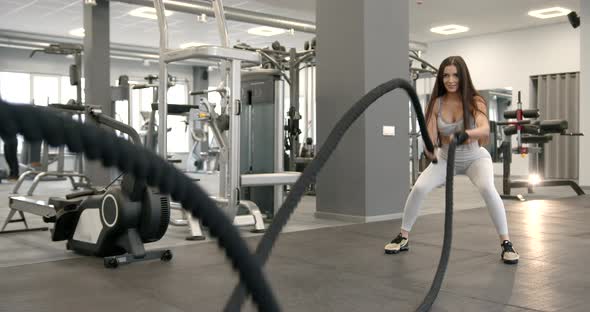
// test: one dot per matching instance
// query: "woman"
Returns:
(454, 97)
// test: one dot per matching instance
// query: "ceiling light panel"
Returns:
(147, 12)
(449, 29)
(549, 12)
(266, 31)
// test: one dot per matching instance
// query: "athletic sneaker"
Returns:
(509, 255)
(398, 244)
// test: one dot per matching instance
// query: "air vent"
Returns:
(165, 215)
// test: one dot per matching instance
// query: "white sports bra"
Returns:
(449, 128)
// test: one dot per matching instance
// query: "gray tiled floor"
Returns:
(334, 266)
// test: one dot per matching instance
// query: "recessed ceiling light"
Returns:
(191, 44)
(266, 31)
(549, 12)
(449, 29)
(147, 12)
(78, 32)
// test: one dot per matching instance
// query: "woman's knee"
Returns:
(488, 190)
(420, 189)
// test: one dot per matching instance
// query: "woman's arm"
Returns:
(482, 125)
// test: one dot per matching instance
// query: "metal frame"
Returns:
(41, 175)
(427, 70)
(507, 183)
(276, 57)
(204, 7)
(44, 174)
(21, 205)
(230, 88)
(279, 140)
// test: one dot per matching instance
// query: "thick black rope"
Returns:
(448, 235)
(309, 174)
(37, 124)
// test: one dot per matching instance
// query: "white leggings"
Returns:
(476, 163)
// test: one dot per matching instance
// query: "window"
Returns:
(122, 111)
(215, 99)
(68, 92)
(45, 90)
(141, 100)
(178, 135)
(15, 87)
(147, 98)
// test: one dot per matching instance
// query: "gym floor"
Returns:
(326, 265)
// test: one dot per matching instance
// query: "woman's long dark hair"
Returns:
(466, 89)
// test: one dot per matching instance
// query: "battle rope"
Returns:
(37, 124)
(309, 174)
(448, 235)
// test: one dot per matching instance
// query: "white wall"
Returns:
(585, 92)
(509, 59)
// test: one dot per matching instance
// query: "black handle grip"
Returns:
(176, 109)
(572, 134)
(516, 122)
(72, 107)
(140, 86)
(203, 92)
(80, 194)
(526, 113)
